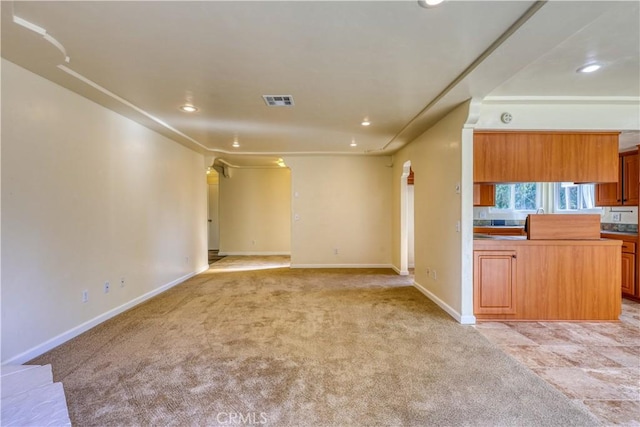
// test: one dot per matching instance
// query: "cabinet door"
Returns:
(494, 282)
(484, 195)
(630, 180)
(608, 194)
(628, 273)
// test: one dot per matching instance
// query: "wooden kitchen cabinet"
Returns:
(545, 156)
(630, 176)
(494, 282)
(549, 280)
(624, 192)
(629, 281)
(484, 195)
(628, 274)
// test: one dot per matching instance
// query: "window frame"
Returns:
(556, 201)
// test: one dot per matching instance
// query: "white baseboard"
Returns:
(74, 332)
(400, 272)
(464, 320)
(231, 253)
(341, 266)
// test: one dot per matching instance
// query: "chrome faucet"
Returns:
(539, 211)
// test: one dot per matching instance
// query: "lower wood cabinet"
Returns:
(549, 280)
(628, 273)
(629, 281)
(494, 282)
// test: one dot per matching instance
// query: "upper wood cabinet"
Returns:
(630, 177)
(545, 157)
(484, 195)
(623, 192)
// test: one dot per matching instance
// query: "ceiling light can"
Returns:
(589, 68)
(429, 3)
(188, 108)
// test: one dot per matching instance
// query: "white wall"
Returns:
(343, 203)
(255, 208)
(88, 196)
(436, 159)
(628, 214)
(547, 113)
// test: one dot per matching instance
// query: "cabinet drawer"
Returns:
(629, 247)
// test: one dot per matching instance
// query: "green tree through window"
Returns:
(520, 197)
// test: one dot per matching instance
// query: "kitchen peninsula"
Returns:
(569, 274)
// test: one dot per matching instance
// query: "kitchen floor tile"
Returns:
(627, 356)
(506, 336)
(540, 334)
(587, 384)
(615, 412)
(582, 356)
(597, 364)
(536, 356)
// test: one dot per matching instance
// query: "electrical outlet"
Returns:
(186, 260)
(122, 282)
(335, 251)
(617, 217)
(107, 286)
(458, 227)
(435, 275)
(253, 242)
(85, 295)
(483, 214)
(428, 272)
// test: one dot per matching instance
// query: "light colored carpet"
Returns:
(298, 347)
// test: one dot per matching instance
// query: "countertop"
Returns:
(480, 236)
(482, 240)
(499, 227)
(620, 233)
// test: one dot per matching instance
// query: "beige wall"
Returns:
(342, 203)
(255, 212)
(436, 159)
(88, 196)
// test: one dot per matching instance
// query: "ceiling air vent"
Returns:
(278, 100)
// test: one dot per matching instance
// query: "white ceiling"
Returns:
(398, 64)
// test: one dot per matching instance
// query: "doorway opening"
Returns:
(213, 218)
(407, 240)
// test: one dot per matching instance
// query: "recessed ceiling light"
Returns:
(429, 3)
(235, 144)
(188, 108)
(353, 143)
(589, 68)
(365, 122)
